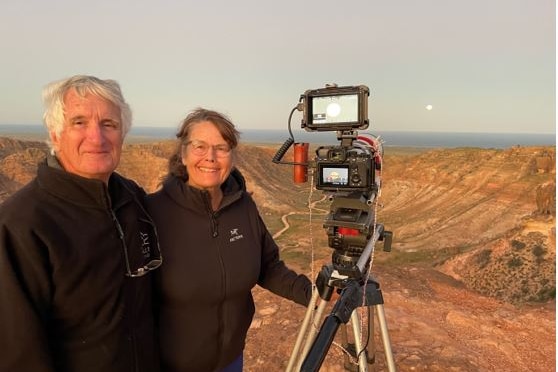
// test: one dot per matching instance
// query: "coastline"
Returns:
(389, 139)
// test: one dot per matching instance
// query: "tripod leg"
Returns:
(385, 337)
(362, 357)
(349, 348)
(349, 345)
(371, 349)
(302, 331)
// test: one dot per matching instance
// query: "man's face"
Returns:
(91, 141)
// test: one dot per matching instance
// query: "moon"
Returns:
(333, 110)
(429, 107)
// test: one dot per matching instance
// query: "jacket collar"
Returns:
(192, 198)
(75, 189)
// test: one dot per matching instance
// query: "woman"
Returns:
(217, 249)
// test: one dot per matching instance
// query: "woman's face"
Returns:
(207, 157)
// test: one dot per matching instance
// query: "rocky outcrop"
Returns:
(545, 162)
(546, 198)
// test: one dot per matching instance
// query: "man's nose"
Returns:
(95, 132)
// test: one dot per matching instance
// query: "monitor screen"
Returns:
(335, 175)
(335, 109)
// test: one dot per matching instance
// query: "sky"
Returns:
(482, 65)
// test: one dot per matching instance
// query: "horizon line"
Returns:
(305, 131)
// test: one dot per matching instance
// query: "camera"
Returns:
(340, 168)
(341, 109)
(349, 172)
(348, 167)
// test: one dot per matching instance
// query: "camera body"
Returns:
(341, 168)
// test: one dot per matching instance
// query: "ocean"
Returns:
(276, 136)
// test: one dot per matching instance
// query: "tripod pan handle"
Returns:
(318, 351)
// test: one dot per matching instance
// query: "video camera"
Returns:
(350, 172)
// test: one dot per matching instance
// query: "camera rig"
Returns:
(350, 174)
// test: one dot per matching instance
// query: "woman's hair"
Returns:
(223, 124)
(54, 93)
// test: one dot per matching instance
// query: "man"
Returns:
(77, 247)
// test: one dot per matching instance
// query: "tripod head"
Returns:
(352, 233)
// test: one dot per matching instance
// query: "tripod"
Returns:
(355, 292)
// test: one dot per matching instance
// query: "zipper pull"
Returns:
(214, 225)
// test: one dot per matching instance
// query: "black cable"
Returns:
(287, 144)
(367, 336)
(282, 151)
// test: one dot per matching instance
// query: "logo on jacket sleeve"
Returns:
(235, 235)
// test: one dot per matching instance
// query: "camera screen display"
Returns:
(335, 175)
(335, 109)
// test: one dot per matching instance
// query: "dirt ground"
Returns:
(434, 323)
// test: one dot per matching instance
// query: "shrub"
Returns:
(538, 250)
(483, 258)
(546, 294)
(514, 262)
(516, 244)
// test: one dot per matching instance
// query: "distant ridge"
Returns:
(278, 136)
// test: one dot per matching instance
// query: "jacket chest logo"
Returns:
(235, 235)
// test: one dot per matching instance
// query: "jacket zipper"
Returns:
(212, 220)
(215, 233)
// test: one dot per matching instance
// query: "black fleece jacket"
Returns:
(212, 261)
(65, 302)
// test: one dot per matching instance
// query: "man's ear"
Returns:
(54, 140)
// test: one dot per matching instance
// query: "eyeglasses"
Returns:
(200, 148)
(155, 260)
(151, 265)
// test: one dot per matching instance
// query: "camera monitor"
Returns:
(336, 108)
